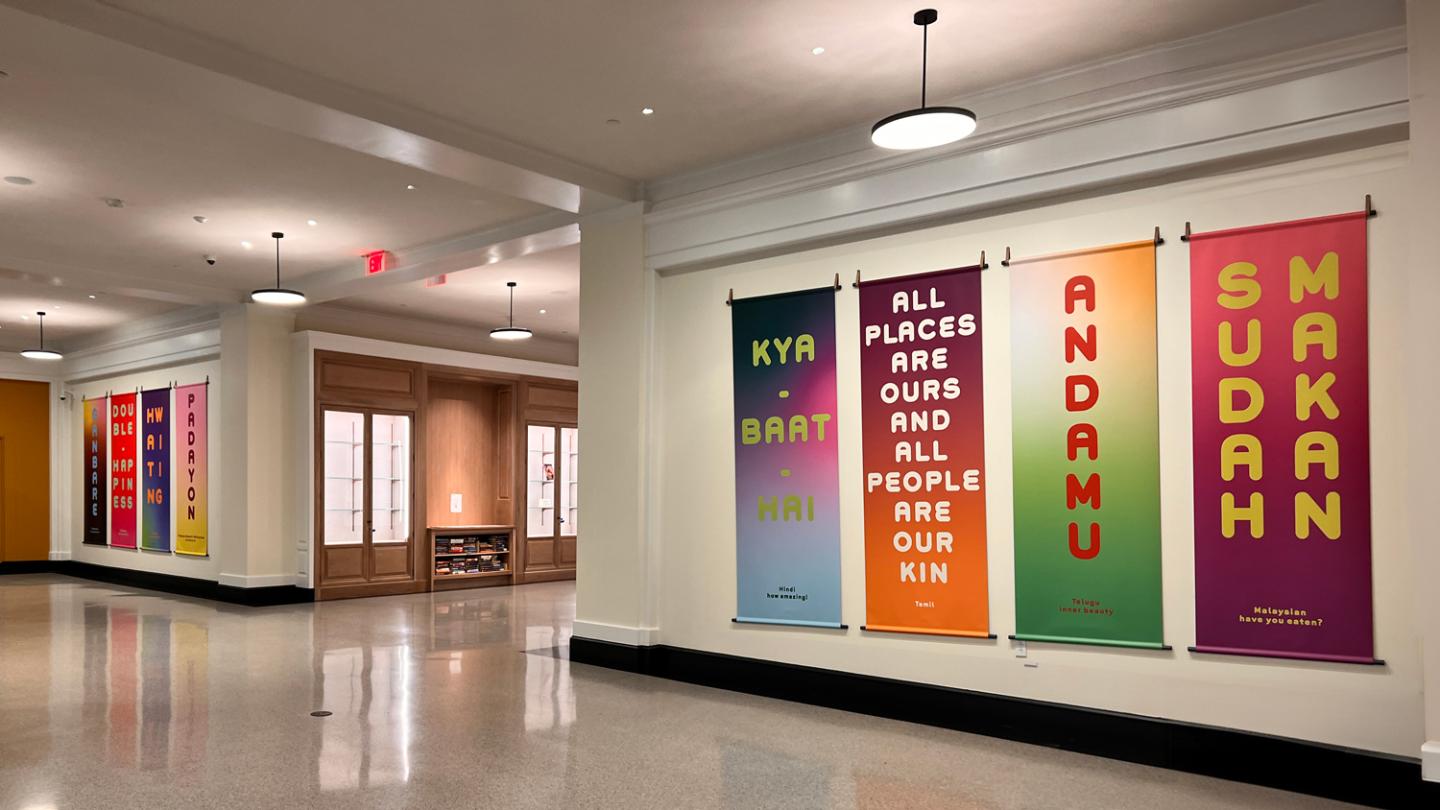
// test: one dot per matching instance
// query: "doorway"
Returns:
(366, 504)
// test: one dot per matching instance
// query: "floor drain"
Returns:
(321, 713)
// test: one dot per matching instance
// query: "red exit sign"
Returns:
(378, 262)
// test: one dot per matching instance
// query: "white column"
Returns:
(614, 598)
(256, 430)
(1423, 388)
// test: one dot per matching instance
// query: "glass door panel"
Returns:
(540, 481)
(344, 483)
(569, 481)
(390, 478)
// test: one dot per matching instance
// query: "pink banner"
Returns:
(122, 471)
(1282, 444)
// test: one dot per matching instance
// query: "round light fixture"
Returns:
(817, 50)
(41, 353)
(510, 332)
(409, 186)
(278, 295)
(923, 127)
(647, 111)
(312, 223)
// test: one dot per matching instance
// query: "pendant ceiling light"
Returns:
(511, 332)
(41, 353)
(923, 127)
(277, 294)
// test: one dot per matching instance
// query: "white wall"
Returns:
(72, 460)
(1372, 708)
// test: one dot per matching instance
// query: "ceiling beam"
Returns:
(534, 235)
(208, 74)
(108, 282)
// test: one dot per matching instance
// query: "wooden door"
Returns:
(551, 498)
(365, 497)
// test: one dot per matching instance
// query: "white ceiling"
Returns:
(263, 114)
(479, 298)
(725, 78)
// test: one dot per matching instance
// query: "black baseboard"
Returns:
(1320, 770)
(167, 583)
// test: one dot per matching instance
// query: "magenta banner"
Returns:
(1282, 446)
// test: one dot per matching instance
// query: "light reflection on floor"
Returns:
(112, 698)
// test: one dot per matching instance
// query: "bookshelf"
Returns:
(471, 556)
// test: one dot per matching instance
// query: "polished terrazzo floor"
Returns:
(114, 698)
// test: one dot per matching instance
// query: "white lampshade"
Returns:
(510, 333)
(277, 296)
(41, 354)
(923, 128)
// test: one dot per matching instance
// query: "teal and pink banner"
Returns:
(155, 470)
(123, 469)
(1086, 423)
(922, 423)
(787, 480)
(1280, 365)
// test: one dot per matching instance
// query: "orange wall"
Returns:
(25, 467)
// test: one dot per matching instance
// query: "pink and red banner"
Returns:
(923, 439)
(123, 489)
(1281, 440)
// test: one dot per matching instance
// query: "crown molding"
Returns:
(1270, 50)
(1340, 96)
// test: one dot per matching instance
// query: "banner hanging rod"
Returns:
(1369, 212)
(730, 297)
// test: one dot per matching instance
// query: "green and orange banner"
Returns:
(923, 427)
(1086, 447)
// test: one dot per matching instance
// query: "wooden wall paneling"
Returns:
(373, 381)
(461, 421)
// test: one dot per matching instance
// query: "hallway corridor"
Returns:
(112, 698)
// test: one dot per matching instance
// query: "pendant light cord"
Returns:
(277, 262)
(924, 60)
(42, 330)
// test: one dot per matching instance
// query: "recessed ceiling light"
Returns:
(200, 219)
(647, 111)
(312, 223)
(817, 50)
(246, 245)
(542, 312)
(92, 298)
(409, 186)
(17, 180)
(24, 317)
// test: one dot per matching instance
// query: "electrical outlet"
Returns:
(1020, 651)
(455, 503)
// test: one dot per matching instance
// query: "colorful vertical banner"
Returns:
(123, 491)
(923, 440)
(155, 470)
(787, 479)
(96, 428)
(1086, 447)
(192, 457)
(1280, 364)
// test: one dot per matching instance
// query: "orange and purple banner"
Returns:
(787, 471)
(155, 470)
(923, 440)
(1086, 423)
(97, 473)
(122, 471)
(1280, 364)
(192, 459)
